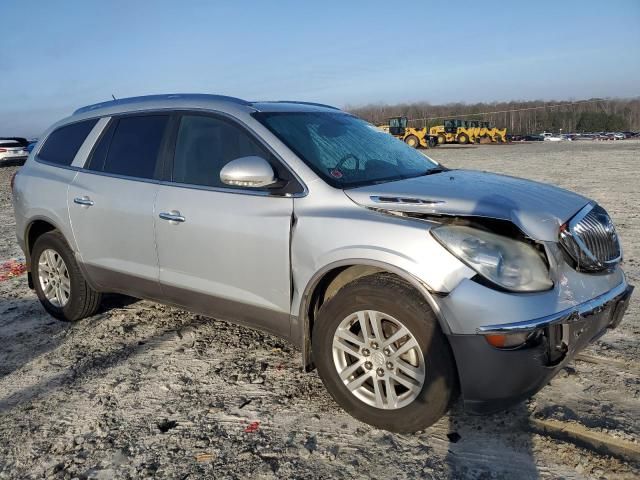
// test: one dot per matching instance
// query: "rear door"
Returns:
(111, 205)
(228, 253)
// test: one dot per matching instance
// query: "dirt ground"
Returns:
(146, 390)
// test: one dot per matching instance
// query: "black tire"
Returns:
(83, 300)
(392, 296)
(463, 139)
(412, 141)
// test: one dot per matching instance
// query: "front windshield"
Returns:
(345, 150)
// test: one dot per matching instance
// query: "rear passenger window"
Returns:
(62, 144)
(130, 146)
(205, 145)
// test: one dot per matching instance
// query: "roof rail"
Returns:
(154, 98)
(313, 104)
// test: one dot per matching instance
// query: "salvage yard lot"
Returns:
(142, 389)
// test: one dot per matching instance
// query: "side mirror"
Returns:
(251, 172)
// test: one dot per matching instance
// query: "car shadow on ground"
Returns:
(27, 331)
(498, 445)
(89, 366)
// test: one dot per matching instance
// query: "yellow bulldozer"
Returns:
(481, 131)
(498, 135)
(453, 131)
(487, 133)
(468, 131)
(414, 137)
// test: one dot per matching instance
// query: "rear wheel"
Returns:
(463, 139)
(442, 139)
(412, 141)
(382, 356)
(58, 282)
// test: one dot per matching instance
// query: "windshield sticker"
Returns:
(335, 173)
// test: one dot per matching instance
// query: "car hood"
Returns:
(536, 208)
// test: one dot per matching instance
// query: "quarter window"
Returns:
(130, 146)
(62, 144)
(206, 144)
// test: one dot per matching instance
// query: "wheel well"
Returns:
(326, 288)
(36, 229)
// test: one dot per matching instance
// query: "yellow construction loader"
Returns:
(414, 137)
(453, 131)
(498, 135)
(481, 131)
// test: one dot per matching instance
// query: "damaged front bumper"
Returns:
(492, 378)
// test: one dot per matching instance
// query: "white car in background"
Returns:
(12, 150)
(550, 137)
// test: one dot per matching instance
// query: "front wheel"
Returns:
(412, 141)
(382, 355)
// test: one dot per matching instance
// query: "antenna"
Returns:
(113, 96)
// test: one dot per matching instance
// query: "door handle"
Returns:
(84, 201)
(173, 216)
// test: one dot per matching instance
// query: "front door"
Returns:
(223, 251)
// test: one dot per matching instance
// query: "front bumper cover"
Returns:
(492, 379)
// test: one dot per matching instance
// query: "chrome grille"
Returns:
(591, 240)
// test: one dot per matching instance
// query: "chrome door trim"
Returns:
(241, 191)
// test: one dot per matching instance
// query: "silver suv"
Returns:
(402, 281)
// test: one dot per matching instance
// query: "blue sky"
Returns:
(56, 58)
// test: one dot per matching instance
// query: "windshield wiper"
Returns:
(435, 170)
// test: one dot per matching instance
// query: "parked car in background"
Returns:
(401, 280)
(12, 150)
(23, 142)
(605, 136)
(550, 137)
(584, 136)
(533, 138)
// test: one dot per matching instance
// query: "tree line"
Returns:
(520, 117)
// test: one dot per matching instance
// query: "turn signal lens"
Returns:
(511, 340)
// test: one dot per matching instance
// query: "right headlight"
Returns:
(508, 263)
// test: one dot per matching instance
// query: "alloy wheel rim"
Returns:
(54, 278)
(378, 359)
